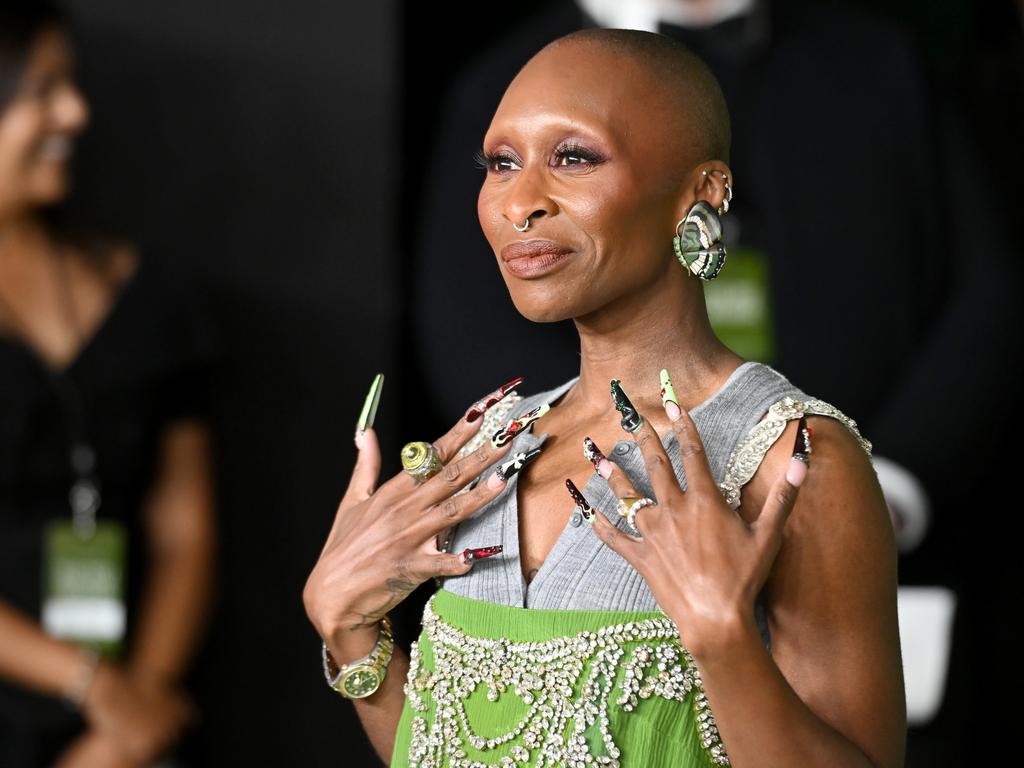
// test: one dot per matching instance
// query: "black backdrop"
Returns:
(255, 146)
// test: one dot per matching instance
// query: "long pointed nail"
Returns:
(516, 463)
(472, 555)
(369, 412)
(514, 426)
(631, 420)
(801, 460)
(585, 509)
(477, 409)
(668, 397)
(802, 444)
(593, 454)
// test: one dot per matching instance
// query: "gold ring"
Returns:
(630, 505)
(420, 461)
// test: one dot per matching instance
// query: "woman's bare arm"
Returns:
(379, 712)
(31, 658)
(832, 691)
(180, 531)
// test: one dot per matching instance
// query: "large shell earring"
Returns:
(698, 247)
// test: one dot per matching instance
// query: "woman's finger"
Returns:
(625, 545)
(620, 541)
(366, 472)
(619, 481)
(656, 461)
(456, 475)
(456, 507)
(691, 447)
(782, 497)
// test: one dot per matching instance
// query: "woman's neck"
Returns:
(633, 338)
(21, 234)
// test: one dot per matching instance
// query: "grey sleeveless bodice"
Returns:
(581, 572)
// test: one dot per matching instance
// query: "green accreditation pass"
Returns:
(739, 304)
(83, 585)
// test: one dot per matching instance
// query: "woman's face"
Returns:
(578, 144)
(38, 126)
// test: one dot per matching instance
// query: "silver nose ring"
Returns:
(525, 226)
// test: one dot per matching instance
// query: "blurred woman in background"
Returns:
(106, 512)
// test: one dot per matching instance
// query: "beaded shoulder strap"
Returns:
(748, 454)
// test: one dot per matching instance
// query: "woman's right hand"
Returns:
(383, 543)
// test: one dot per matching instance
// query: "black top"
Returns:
(147, 365)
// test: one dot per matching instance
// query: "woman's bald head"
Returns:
(687, 93)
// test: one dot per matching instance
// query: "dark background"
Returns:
(276, 155)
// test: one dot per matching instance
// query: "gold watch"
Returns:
(359, 678)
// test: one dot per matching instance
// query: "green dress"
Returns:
(495, 685)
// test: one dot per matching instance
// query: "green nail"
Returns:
(668, 394)
(370, 404)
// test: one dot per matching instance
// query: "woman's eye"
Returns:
(487, 161)
(577, 157)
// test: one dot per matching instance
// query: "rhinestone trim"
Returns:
(567, 678)
(750, 451)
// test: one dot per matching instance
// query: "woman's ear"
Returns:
(712, 182)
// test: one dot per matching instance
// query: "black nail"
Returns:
(631, 420)
(516, 463)
(802, 444)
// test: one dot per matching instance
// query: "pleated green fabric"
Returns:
(667, 726)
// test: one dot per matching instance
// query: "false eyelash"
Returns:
(483, 160)
(578, 150)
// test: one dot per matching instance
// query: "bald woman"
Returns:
(704, 593)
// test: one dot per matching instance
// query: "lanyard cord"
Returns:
(84, 495)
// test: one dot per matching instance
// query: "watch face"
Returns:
(361, 682)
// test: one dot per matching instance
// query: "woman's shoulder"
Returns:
(778, 402)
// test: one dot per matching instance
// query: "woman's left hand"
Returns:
(703, 562)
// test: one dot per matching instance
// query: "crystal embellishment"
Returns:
(565, 682)
(750, 451)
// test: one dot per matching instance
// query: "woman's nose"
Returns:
(70, 109)
(528, 197)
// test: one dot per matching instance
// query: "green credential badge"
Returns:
(83, 585)
(739, 305)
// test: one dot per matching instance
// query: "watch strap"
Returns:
(361, 677)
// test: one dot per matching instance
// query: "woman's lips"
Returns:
(533, 258)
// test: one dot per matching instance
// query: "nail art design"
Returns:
(369, 411)
(668, 394)
(514, 426)
(631, 420)
(802, 444)
(470, 555)
(477, 409)
(516, 463)
(585, 509)
(592, 453)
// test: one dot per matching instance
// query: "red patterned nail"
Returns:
(469, 555)
(585, 509)
(477, 409)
